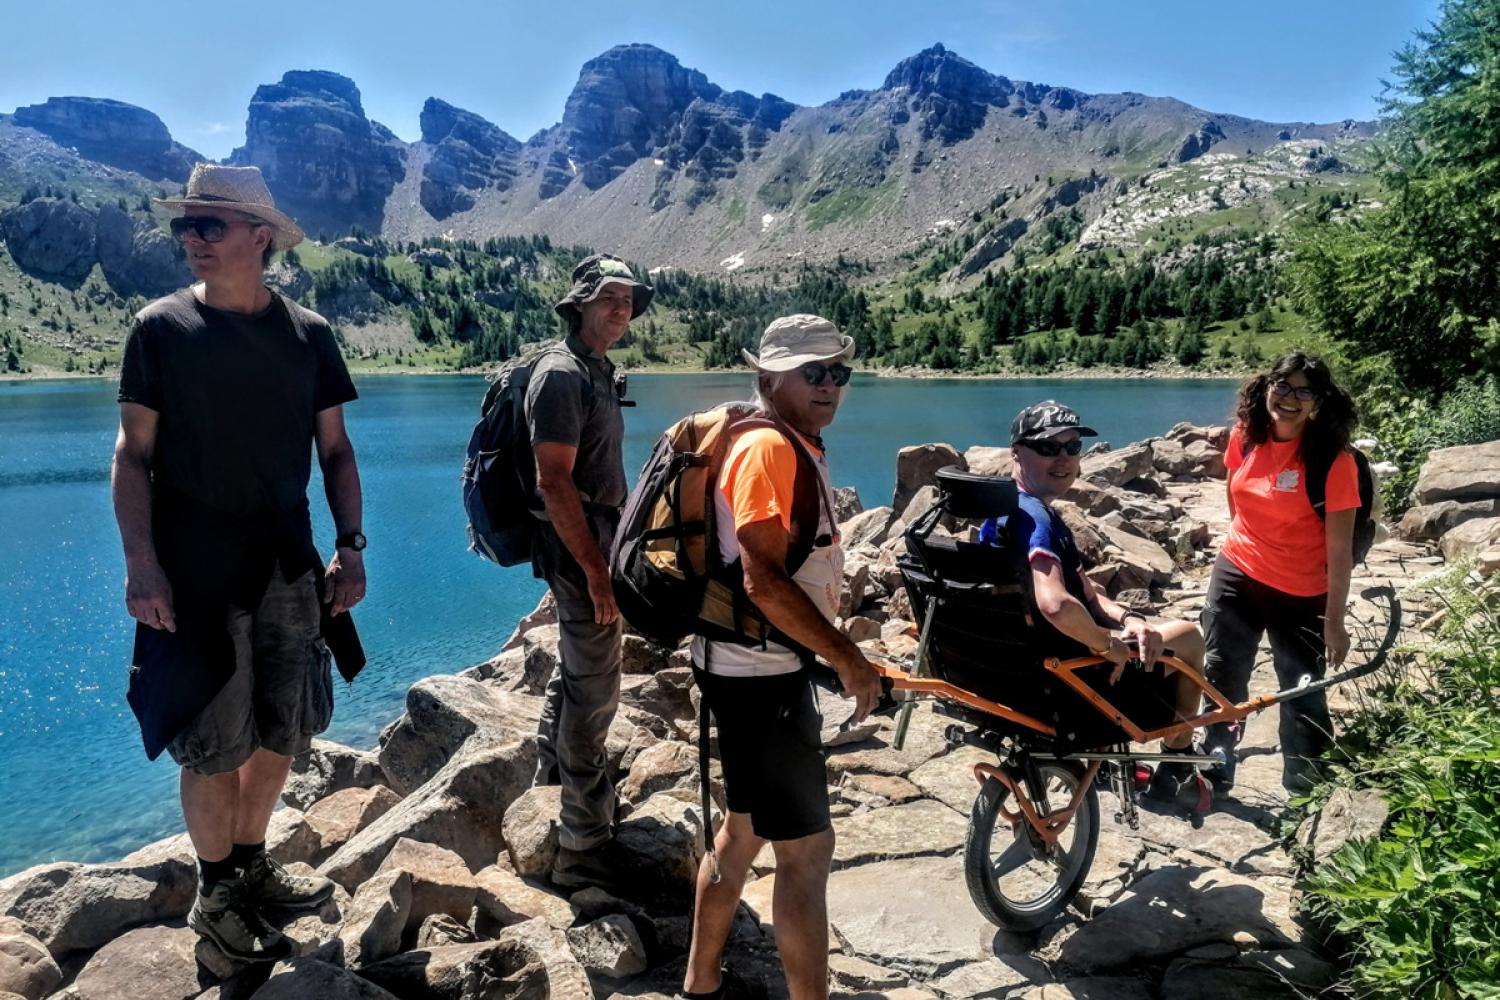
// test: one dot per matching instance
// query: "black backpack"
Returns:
(1317, 495)
(499, 477)
(670, 579)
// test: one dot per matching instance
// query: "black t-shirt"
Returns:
(237, 397)
(564, 408)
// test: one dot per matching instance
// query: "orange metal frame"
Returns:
(1067, 671)
(1050, 826)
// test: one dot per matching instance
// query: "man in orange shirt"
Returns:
(770, 745)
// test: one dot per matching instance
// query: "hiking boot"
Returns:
(271, 886)
(599, 866)
(225, 917)
(1167, 780)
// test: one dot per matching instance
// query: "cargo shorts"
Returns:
(281, 692)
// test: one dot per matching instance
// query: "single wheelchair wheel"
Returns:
(1018, 881)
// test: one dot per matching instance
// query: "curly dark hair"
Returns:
(1334, 420)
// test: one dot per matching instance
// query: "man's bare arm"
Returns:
(763, 548)
(346, 569)
(564, 506)
(148, 595)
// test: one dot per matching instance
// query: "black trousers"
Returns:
(1238, 611)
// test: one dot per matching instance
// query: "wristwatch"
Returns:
(353, 540)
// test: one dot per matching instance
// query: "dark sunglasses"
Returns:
(1051, 449)
(1285, 388)
(208, 228)
(815, 372)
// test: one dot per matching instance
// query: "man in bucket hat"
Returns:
(770, 744)
(225, 388)
(574, 419)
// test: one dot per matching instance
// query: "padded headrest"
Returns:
(973, 497)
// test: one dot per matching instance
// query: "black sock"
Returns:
(243, 854)
(210, 873)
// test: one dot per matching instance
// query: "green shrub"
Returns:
(1419, 906)
(1409, 427)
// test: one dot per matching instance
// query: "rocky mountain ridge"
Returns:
(653, 160)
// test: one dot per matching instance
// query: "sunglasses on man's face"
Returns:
(815, 372)
(1051, 449)
(1302, 392)
(208, 228)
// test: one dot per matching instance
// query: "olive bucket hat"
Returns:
(592, 274)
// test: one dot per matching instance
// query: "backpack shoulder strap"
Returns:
(808, 496)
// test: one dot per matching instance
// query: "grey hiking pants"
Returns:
(581, 698)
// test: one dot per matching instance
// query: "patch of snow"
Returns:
(659, 163)
(943, 226)
(657, 272)
(766, 221)
(733, 263)
(572, 166)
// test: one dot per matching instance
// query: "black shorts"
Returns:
(771, 747)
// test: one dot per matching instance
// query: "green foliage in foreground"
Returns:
(1419, 908)
(1408, 427)
(1419, 279)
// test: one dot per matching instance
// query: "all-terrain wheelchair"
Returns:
(1016, 687)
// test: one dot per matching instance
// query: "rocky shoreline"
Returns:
(440, 847)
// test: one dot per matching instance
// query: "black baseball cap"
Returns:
(1046, 419)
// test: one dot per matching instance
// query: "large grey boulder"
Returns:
(1349, 814)
(442, 713)
(1465, 472)
(886, 913)
(983, 460)
(1429, 522)
(1470, 538)
(530, 829)
(502, 899)
(304, 978)
(440, 881)
(922, 827)
(147, 963)
(27, 969)
(72, 907)
(609, 947)
(340, 816)
(327, 768)
(461, 808)
(662, 843)
(917, 466)
(51, 238)
(548, 947)
(846, 503)
(1174, 909)
(377, 918)
(1116, 468)
(1149, 559)
(485, 970)
(868, 527)
(664, 765)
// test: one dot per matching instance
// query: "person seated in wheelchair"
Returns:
(1046, 441)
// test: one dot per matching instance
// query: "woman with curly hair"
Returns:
(1284, 569)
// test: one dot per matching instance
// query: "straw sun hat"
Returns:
(241, 189)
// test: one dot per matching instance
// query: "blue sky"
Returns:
(196, 64)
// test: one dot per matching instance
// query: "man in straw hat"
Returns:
(770, 744)
(224, 389)
(573, 416)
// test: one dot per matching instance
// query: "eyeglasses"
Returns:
(1302, 392)
(815, 372)
(209, 229)
(1051, 449)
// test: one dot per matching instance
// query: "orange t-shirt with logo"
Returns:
(1276, 536)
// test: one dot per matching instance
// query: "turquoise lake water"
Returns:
(74, 782)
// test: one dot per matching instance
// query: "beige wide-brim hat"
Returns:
(792, 341)
(241, 189)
